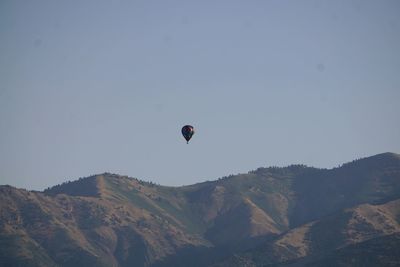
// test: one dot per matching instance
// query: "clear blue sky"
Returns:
(94, 86)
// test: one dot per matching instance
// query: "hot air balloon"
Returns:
(187, 132)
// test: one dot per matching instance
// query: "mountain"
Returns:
(291, 216)
(351, 233)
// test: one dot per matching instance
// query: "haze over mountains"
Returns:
(291, 216)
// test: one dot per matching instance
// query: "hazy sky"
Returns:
(94, 86)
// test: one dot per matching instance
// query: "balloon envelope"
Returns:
(187, 132)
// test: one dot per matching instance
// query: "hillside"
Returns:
(284, 215)
(342, 234)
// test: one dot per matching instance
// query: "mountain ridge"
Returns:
(109, 219)
(381, 156)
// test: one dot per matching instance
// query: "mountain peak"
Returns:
(82, 187)
(383, 160)
(109, 219)
(98, 185)
(386, 155)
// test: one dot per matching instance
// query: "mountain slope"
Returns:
(112, 220)
(371, 180)
(315, 240)
(103, 230)
(380, 251)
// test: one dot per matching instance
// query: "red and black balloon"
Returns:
(187, 132)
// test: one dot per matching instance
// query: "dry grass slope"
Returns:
(280, 216)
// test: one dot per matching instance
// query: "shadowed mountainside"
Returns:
(292, 215)
(324, 242)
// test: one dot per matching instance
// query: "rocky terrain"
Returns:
(291, 216)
